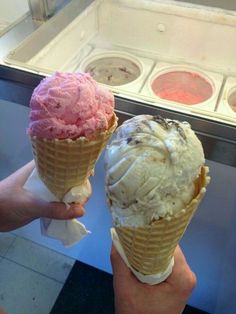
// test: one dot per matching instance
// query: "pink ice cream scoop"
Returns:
(70, 105)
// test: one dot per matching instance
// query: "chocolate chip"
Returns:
(161, 121)
(129, 139)
(166, 124)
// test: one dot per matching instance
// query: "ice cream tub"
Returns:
(119, 70)
(184, 85)
(227, 102)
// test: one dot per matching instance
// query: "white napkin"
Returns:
(149, 279)
(68, 232)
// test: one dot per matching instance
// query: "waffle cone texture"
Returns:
(150, 249)
(63, 164)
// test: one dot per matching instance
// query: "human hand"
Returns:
(168, 297)
(18, 206)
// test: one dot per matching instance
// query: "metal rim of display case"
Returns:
(218, 138)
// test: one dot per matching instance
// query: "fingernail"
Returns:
(78, 209)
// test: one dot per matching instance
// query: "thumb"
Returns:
(57, 210)
(122, 275)
(182, 273)
(118, 265)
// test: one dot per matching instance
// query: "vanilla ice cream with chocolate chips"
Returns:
(151, 166)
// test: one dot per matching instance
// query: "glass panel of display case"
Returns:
(11, 12)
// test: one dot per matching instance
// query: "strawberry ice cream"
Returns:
(72, 117)
(70, 105)
(184, 87)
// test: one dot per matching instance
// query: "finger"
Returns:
(59, 211)
(180, 260)
(118, 265)
(116, 261)
(181, 272)
(180, 265)
(179, 256)
(77, 210)
(21, 175)
(56, 210)
(123, 276)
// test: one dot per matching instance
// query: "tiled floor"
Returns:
(31, 276)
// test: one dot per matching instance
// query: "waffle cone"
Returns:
(63, 164)
(150, 249)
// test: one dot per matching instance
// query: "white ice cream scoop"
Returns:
(151, 166)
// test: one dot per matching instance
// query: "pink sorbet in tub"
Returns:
(184, 87)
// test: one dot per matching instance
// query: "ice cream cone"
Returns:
(149, 249)
(63, 164)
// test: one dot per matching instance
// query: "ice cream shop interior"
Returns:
(129, 108)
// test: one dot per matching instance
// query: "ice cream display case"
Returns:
(19, 10)
(170, 58)
(169, 54)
